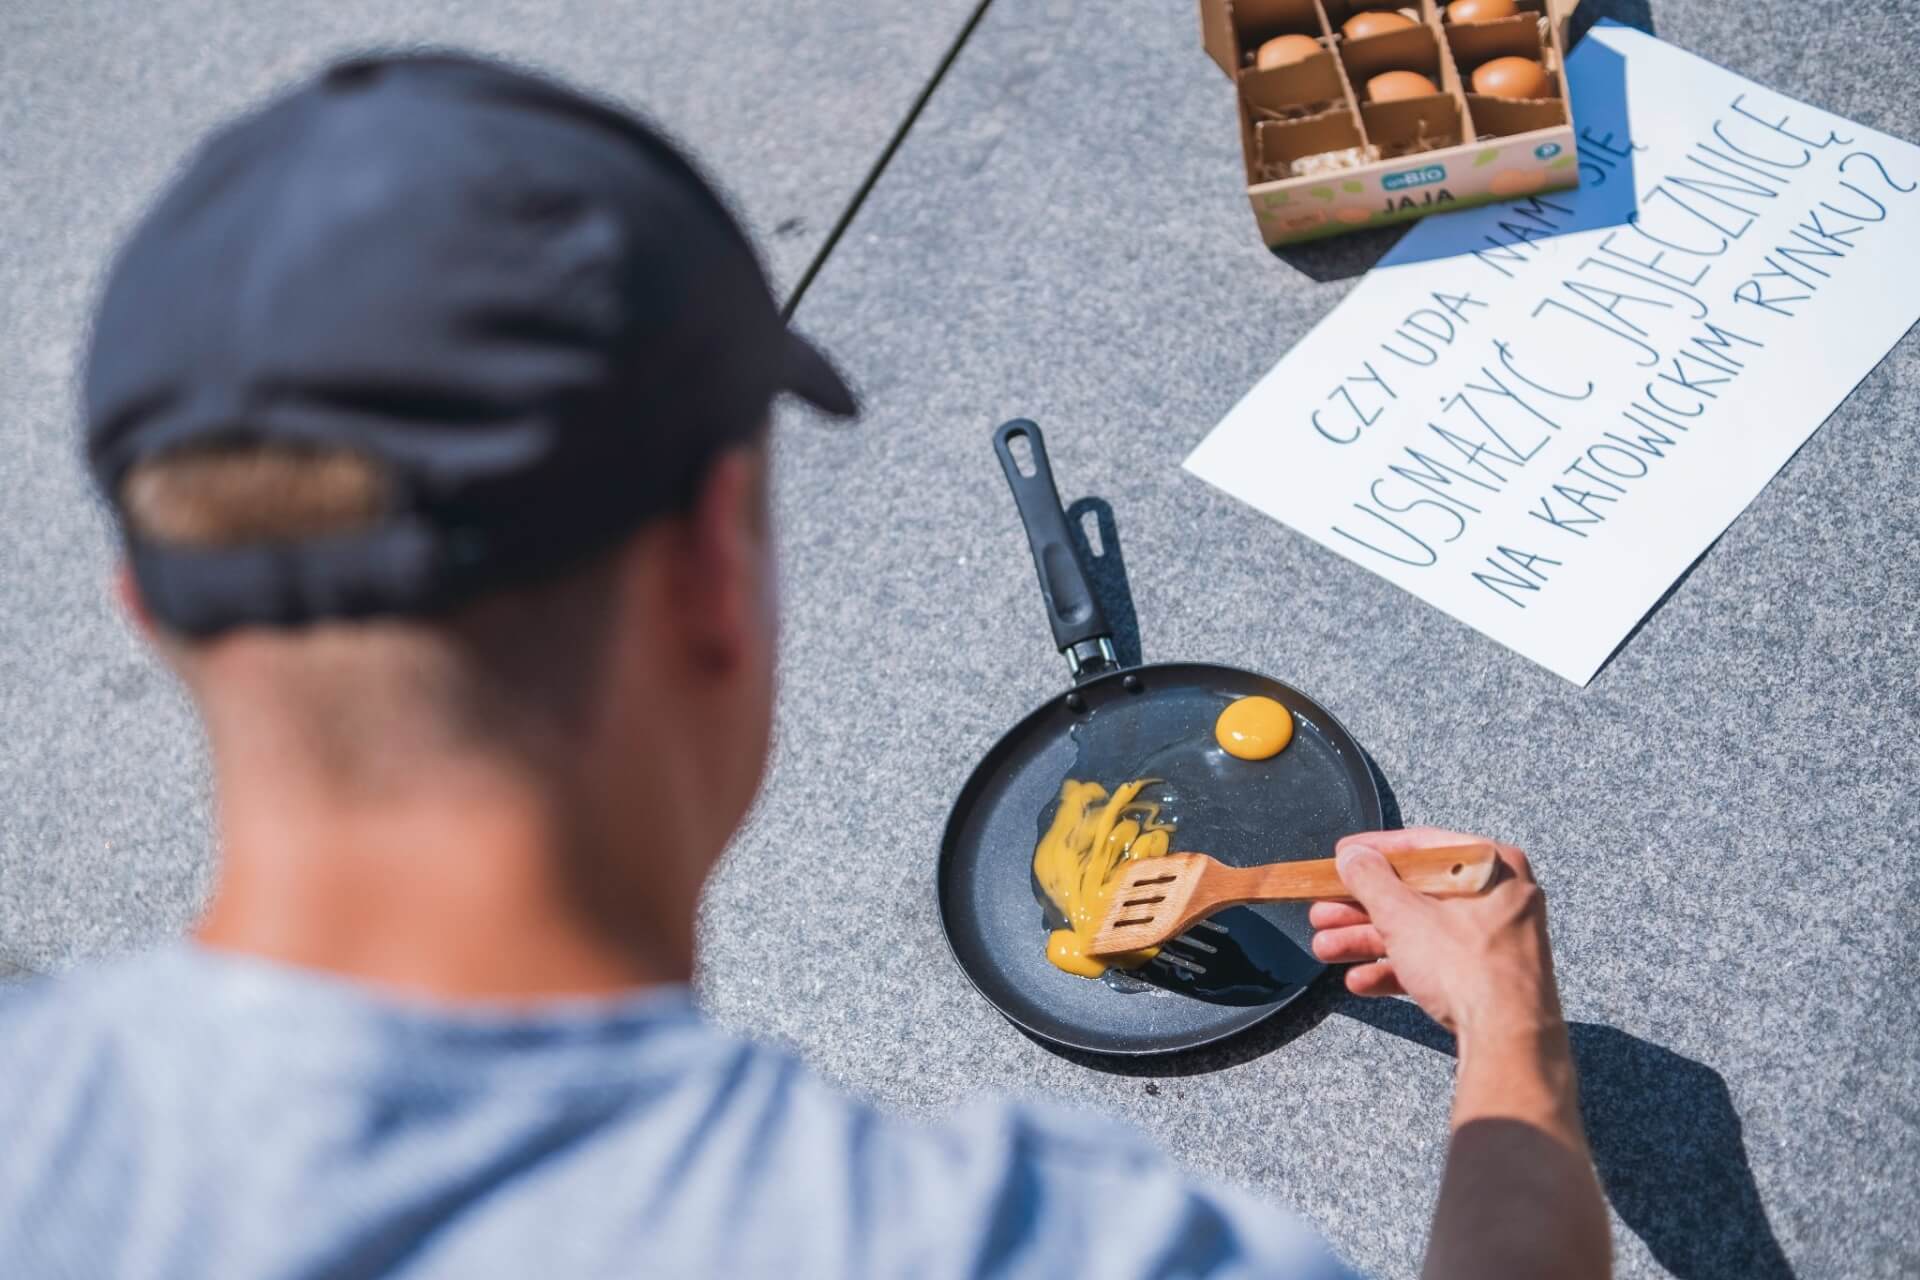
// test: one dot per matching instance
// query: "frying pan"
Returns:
(1114, 724)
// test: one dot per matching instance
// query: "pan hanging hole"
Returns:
(1090, 525)
(1020, 445)
(1458, 867)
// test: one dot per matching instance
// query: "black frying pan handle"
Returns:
(1079, 624)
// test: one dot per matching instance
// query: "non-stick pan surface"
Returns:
(1113, 726)
(1242, 812)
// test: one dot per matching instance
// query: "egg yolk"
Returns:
(1254, 728)
(1077, 865)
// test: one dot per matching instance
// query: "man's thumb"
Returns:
(1373, 882)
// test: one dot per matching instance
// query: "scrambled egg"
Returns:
(1078, 862)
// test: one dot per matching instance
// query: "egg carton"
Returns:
(1322, 157)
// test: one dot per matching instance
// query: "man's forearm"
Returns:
(1519, 1198)
(1519, 1070)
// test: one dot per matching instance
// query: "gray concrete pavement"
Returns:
(1724, 819)
(104, 843)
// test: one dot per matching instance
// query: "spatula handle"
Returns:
(1452, 871)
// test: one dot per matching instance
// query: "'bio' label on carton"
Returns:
(1414, 177)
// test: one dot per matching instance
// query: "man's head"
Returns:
(652, 657)
(431, 400)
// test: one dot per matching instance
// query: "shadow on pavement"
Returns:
(1666, 1138)
(1631, 13)
(1666, 1141)
(1341, 257)
(1096, 540)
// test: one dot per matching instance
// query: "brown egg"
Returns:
(1373, 23)
(1283, 51)
(1512, 78)
(1480, 10)
(1391, 86)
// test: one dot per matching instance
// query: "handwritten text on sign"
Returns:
(1535, 415)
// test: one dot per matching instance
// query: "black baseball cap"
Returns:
(524, 305)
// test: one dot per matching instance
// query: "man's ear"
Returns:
(126, 591)
(718, 559)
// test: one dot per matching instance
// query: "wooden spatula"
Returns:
(1160, 898)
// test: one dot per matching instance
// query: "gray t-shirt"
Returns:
(189, 1113)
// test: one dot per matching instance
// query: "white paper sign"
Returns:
(1536, 415)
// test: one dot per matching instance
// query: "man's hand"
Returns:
(1477, 965)
(1519, 1198)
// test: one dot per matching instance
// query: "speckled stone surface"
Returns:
(103, 842)
(1725, 820)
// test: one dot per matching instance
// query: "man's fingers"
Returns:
(1345, 946)
(1335, 915)
(1376, 979)
(1371, 879)
(1408, 838)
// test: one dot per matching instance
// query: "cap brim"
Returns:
(813, 378)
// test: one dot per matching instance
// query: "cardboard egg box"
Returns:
(1322, 159)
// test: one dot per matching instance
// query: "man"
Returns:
(431, 403)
